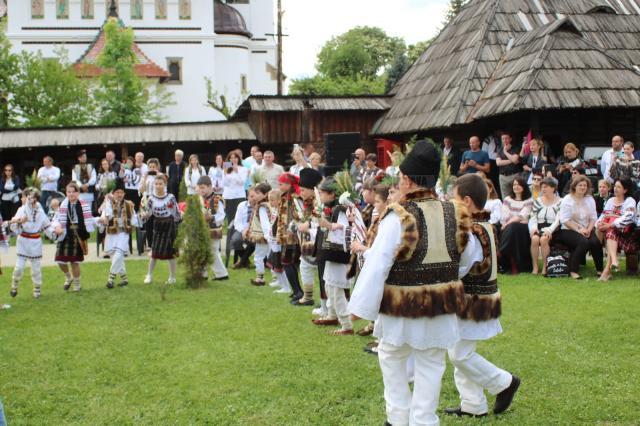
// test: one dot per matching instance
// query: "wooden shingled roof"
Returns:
(460, 77)
(276, 103)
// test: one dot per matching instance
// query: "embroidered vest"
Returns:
(286, 214)
(83, 172)
(423, 281)
(328, 251)
(482, 298)
(127, 213)
(255, 227)
(211, 205)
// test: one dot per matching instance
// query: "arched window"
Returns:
(184, 8)
(136, 9)
(87, 9)
(37, 9)
(62, 9)
(161, 9)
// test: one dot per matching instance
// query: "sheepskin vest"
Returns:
(126, 210)
(211, 204)
(423, 281)
(328, 251)
(255, 227)
(482, 297)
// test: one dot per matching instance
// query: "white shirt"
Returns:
(49, 177)
(495, 208)
(233, 184)
(216, 174)
(86, 196)
(191, 177)
(422, 333)
(581, 212)
(241, 221)
(606, 162)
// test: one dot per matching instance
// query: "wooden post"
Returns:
(279, 36)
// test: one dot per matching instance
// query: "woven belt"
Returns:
(30, 236)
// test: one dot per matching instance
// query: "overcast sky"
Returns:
(310, 24)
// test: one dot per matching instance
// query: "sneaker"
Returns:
(282, 291)
(147, 279)
(319, 311)
(275, 284)
(171, 281)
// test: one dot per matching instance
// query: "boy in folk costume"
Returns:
(118, 218)
(29, 222)
(259, 229)
(162, 207)
(74, 224)
(410, 285)
(307, 226)
(214, 215)
(479, 319)
(333, 251)
(288, 185)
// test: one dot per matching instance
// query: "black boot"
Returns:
(292, 275)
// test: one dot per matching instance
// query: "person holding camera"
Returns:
(474, 160)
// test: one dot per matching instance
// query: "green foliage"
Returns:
(452, 11)
(122, 96)
(47, 93)
(414, 51)
(182, 191)
(194, 243)
(8, 70)
(397, 70)
(322, 85)
(33, 181)
(218, 101)
(362, 52)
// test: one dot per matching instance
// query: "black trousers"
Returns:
(323, 292)
(579, 246)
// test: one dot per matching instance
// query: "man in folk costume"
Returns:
(118, 218)
(410, 285)
(74, 224)
(479, 319)
(84, 174)
(307, 226)
(214, 214)
(335, 255)
(289, 186)
(29, 222)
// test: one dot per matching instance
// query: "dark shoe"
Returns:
(387, 424)
(296, 298)
(457, 411)
(13, 292)
(237, 265)
(226, 277)
(66, 287)
(320, 321)
(109, 285)
(257, 282)
(299, 302)
(504, 398)
(123, 284)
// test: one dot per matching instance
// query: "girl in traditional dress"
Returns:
(259, 229)
(118, 218)
(275, 250)
(74, 224)
(29, 222)
(192, 173)
(162, 207)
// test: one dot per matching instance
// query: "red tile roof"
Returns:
(87, 65)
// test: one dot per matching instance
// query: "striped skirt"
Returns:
(164, 237)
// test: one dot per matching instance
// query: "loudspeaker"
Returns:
(338, 148)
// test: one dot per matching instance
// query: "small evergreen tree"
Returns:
(399, 67)
(194, 243)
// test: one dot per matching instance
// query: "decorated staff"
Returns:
(214, 214)
(285, 236)
(479, 318)
(74, 224)
(410, 285)
(29, 222)
(335, 254)
(118, 219)
(309, 212)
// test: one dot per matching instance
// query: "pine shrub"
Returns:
(194, 243)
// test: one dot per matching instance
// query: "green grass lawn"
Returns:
(235, 354)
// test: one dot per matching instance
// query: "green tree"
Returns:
(8, 70)
(396, 71)
(414, 51)
(452, 11)
(322, 85)
(194, 243)
(122, 96)
(362, 52)
(47, 93)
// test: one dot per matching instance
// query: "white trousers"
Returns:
(259, 256)
(219, 271)
(473, 374)
(36, 271)
(117, 262)
(308, 272)
(403, 407)
(337, 306)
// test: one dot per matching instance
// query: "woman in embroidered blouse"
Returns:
(543, 222)
(216, 174)
(300, 163)
(578, 218)
(515, 243)
(628, 167)
(192, 173)
(616, 223)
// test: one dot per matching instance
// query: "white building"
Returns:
(182, 42)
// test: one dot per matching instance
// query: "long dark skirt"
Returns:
(69, 250)
(164, 237)
(515, 247)
(8, 209)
